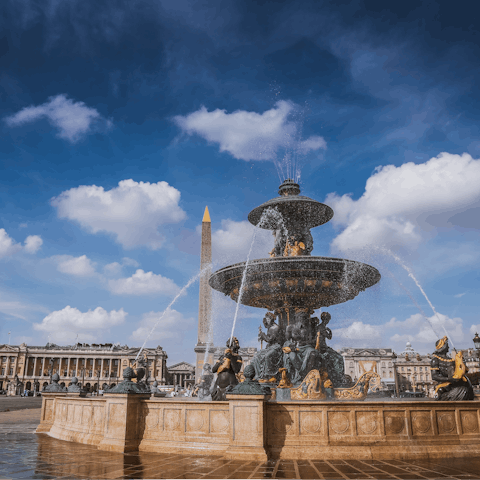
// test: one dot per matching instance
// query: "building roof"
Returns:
(181, 366)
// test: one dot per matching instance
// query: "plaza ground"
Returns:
(24, 454)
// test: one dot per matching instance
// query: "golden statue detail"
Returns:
(285, 381)
(294, 250)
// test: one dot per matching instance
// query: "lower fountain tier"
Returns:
(313, 282)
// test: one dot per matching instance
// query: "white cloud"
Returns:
(460, 295)
(133, 211)
(233, 240)
(143, 283)
(33, 243)
(250, 135)
(115, 268)
(73, 120)
(18, 308)
(402, 204)
(78, 266)
(62, 326)
(172, 325)
(358, 331)
(417, 329)
(8, 246)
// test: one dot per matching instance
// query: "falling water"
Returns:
(413, 301)
(412, 276)
(272, 215)
(244, 276)
(180, 293)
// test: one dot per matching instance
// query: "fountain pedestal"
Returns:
(247, 427)
(123, 412)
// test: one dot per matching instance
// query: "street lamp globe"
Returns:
(476, 341)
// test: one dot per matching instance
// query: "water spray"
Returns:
(277, 217)
(412, 276)
(179, 294)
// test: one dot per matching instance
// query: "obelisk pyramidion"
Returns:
(205, 296)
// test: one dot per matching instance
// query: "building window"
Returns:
(12, 359)
(415, 369)
(11, 371)
(4, 359)
(65, 373)
(3, 371)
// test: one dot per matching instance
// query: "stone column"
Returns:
(247, 427)
(101, 372)
(35, 367)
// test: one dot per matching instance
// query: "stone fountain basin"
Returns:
(303, 281)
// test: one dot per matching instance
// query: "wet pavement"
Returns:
(24, 454)
(19, 403)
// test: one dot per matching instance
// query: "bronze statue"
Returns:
(202, 390)
(300, 356)
(250, 386)
(268, 361)
(226, 368)
(453, 384)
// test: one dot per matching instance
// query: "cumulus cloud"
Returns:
(143, 283)
(250, 135)
(8, 246)
(115, 268)
(172, 325)
(33, 243)
(233, 240)
(401, 204)
(417, 329)
(63, 325)
(133, 212)
(73, 120)
(358, 331)
(78, 266)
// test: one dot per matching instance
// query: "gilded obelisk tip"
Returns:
(206, 216)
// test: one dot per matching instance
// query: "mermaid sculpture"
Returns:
(453, 384)
(226, 368)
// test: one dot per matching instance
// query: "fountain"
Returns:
(291, 284)
(296, 401)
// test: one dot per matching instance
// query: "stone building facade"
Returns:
(413, 372)
(361, 360)
(91, 364)
(181, 374)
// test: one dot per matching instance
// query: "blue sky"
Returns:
(120, 121)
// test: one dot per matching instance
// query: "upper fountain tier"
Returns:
(293, 207)
(292, 277)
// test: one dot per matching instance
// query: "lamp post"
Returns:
(98, 382)
(476, 341)
(83, 376)
(50, 370)
(395, 376)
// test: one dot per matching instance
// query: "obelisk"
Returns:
(205, 296)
